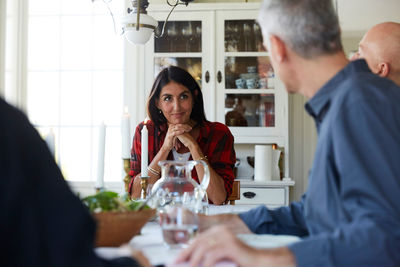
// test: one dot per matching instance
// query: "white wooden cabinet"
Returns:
(273, 194)
(221, 46)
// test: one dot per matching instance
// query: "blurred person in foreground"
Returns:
(42, 222)
(350, 213)
(178, 130)
(380, 47)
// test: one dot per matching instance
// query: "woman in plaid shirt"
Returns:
(178, 129)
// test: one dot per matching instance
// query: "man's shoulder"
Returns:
(11, 116)
(367, 87)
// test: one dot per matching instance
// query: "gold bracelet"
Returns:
(203, 158)
(153, 171)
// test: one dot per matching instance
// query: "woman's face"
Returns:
(175, 102)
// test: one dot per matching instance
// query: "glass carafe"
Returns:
(176, 186)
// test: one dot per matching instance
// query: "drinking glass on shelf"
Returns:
(258, 41)
(172, 34)
(247, 37)
(179, 225)
(187, 34)
(235, 37)
(198, 38)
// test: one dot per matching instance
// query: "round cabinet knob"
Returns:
(249, 194)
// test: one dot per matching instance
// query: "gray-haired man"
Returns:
(350, 214)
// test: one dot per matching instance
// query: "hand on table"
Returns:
(218, 243)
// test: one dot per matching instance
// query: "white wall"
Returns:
(357, 16)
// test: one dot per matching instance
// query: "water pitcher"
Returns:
(176, 185)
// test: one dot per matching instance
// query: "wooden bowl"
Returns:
(117, 228)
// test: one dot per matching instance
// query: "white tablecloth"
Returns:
(151, 243)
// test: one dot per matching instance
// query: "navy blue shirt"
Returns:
(350, 213)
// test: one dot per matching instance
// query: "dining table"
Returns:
(150, 241)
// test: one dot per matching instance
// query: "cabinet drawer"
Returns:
(268, 196)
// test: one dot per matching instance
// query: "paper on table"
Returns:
(268, 241)
(263, 163)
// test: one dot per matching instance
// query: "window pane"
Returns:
(75, 150)
(43, 40)
(107, 44)
(113, 159)
(76, 98)
(117, 8)
(76, 7)
(107, 97)
(43, 95)
(76, 42)
(44, 7)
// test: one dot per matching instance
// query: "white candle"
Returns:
(100, 162)
(50, 140)
(145, 150)
(125, 133)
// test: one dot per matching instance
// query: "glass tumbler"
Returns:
(179, 225)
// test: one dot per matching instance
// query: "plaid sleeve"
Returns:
(221, 154)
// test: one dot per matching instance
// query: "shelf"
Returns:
(251, 183)
(178, 54)
(250, 91)
(247, 54)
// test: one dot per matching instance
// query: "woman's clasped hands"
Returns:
(178, 135)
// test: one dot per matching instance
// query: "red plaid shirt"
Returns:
(215, 141)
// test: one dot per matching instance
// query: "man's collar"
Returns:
(318, 104)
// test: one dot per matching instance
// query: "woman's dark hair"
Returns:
(182, 77)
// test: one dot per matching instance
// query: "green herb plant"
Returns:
(111, 201)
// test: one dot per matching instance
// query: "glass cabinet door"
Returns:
(179, 37)
(242, 36)
(249, 84)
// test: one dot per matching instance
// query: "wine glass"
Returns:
(197, 38)
(187, 33)
(172, 35)
(247, 37)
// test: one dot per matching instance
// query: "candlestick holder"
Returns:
(127, 178)
(98, 189)
(144, 183)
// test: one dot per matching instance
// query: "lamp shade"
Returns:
(147, 25)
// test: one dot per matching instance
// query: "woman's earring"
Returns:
(159, 111)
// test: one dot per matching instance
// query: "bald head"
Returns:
(380, 47)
